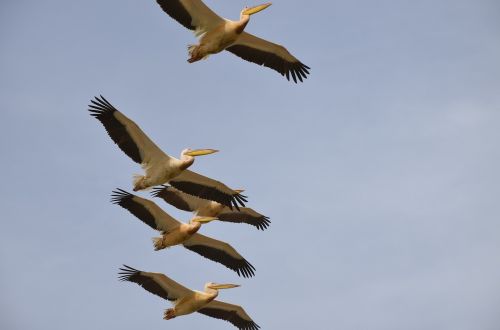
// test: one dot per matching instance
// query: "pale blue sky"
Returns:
(380, 173)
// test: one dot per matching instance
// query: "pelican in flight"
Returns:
(187, 301)
(174, 233)
(217, 34)
(160, 167)
(206, 208)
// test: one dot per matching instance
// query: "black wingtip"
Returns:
(127, 273)
(118, 195)
(247, 270)
(100, 107)
(158, 191)
(238, 199)
(263, 223)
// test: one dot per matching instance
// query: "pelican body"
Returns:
(222, 36)
(188, 301)
(177, 235)
(167, 169)
(194, 302)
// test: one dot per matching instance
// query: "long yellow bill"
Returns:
(201, 152)
(204, 219)
(224, 286)
(256, 9)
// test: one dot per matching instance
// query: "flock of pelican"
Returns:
(208, 199)
(170, 179)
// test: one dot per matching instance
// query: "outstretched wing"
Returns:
(145, 210)
(231, 313)
(201, 186)
(192, 14)
(245, 215)
(271, 55)
(220, 252)
(125, 133)
(177, 198)
(191, 203)
(156, 283)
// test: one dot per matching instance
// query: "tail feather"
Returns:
(137, 181)
(158, 243)
(169, 314)
(191, 49)
(139, 184)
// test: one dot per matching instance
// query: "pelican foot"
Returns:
(169, 314)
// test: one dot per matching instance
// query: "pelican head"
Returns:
(252, 10)
(187, 156)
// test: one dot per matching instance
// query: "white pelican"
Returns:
(206, 208)
(217, 34)
(176, 233)
(187, 301)
(160, 167)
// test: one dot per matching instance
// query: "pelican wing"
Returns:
(145, 210)
(231, 313)
(177, 198)
(155, 283)
(201, 186)
(271, 55)
(191, 203)
(220, 252)
(125, 133)
(245, 215)
(192, 14)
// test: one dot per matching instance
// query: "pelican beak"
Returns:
(239, 191)
(256, 9)
(201, 152)
(224, 286)
(204, 219)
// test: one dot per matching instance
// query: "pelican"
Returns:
(217, 34)
(174, 233)
(203, 207)
(187, 301)
(160, 167)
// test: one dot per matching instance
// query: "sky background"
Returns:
(380, 173)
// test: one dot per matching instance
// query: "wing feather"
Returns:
(231, 313)
(125, 133)
(191, 203)
(271, 55)
(177, 198)
(156, 283)
(201, 186)
(245, 215)
(220, 252)
(145, 210)
(192, 14)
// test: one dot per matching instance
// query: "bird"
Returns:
(188, 301)
(217, 34)
(174, 233)
(159, 167)
(203, 207)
